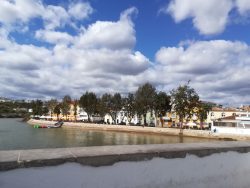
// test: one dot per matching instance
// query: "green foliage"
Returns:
(88, 102)
(57, 110)
(162, 103)
(65, 105)
(105, 103)
(129, 106)
(14, 108)
(76, 102)
(51, 104)
(111, 104)
(37, 107)
(45, 110)
(203, 111)
(145, 100)
(116, 105)
(7, 107)
(184, 100)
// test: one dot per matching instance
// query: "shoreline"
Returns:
(146, 130)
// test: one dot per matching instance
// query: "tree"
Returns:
(88, 102)
(145, 100)
(129, 106)
(184, 101)
(203, 110)
(162, 105)
(111, 104)
(76, 102)
(57, 110)
(51, 105)
(116, 105)
(65, 105)
(100, 107)
(37, 107)
(105, 104)
(45, 110)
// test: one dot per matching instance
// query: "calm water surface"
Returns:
(15, 134)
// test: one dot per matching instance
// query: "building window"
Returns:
(212, 114)
(222, 114)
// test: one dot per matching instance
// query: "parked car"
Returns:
(151, 124)
(122, 123)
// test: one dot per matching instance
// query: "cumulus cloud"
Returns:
(54, 37)
(19, 12)
(243, 6)
(209, 17)
(112, 35)
(80, 10)
(217, 69)
(100, 58)
(13, 11)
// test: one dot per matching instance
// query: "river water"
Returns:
(15, 134)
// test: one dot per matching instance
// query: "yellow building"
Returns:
(70, 116)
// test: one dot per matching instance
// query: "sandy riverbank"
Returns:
(148, 130)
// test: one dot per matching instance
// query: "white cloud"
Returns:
(68, 68)
(19, 12)
(22, 10)
(54, 37)
(80, 10)
(113, 35)
(215, 68)
(101, 58)
(209, 17)
(55, 16)
(243, 6)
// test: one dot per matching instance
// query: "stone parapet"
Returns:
(108, 155)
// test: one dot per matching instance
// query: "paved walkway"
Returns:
(151, 130)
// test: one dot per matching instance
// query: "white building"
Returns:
(235, 124)
(218, 113)
(122, 118)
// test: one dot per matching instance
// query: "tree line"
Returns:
(183, 100)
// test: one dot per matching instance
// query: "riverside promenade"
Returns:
(146, 130)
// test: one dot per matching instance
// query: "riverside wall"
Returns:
(147, 130)
(108, 155)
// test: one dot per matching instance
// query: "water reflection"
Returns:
(18, 135)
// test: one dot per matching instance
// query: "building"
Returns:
(238, 123)
(219, 112)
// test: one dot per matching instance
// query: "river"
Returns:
(15, 134)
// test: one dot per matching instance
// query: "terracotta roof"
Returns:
(228, 109)
(245, 108)
(229, 118)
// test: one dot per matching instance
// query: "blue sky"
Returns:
(49, 48)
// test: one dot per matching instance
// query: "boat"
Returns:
(56, 125)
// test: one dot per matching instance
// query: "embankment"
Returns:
(148, 130)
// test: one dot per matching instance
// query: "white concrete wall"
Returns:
(231, 130)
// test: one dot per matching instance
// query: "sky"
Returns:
(52, 48)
